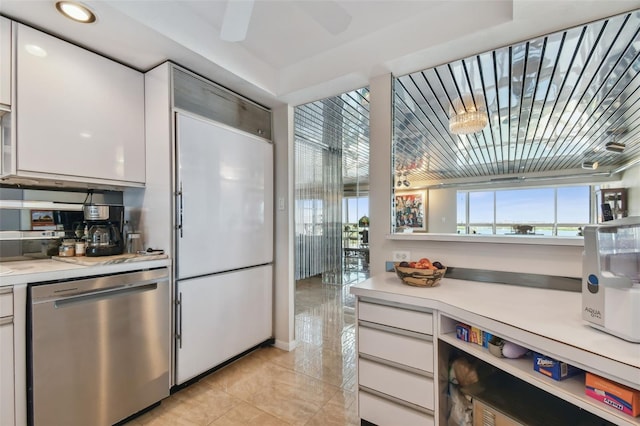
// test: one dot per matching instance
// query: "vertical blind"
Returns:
(331, 136)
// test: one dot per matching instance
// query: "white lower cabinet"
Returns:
(382, 411)
(7, 366)
(395, 365)
(401, 349)
(220, 316)
(405, 385)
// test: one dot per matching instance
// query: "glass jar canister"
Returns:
(80, 248)
(67, 248)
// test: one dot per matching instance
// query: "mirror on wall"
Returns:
(557, 115)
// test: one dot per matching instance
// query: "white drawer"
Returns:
(410, 351)
(413, 388)
(6, 301)
(383, 412)
(421, 322)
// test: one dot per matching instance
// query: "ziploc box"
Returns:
(555, 369)
(613, 394)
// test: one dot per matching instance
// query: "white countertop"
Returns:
(546, 320)
(29, 271)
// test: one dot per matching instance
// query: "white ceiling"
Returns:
(300, 51)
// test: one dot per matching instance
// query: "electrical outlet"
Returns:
(401, 256)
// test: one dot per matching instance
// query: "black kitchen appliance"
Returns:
(103, 229)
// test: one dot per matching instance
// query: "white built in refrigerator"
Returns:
(224, 244)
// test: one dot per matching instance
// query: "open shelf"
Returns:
(571, 389)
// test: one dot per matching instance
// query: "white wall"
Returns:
(380, 176)
(442, 213)
(283, 279)
(631, 181)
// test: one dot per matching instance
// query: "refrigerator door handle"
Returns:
(179, 320)
(180, 208)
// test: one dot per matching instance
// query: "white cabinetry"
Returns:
(13, 357)
(79, 116)
(5, 63)
(7, 390)
(395, 364)
(511, 312)
(211, 328)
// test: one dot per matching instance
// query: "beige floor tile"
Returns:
(315, 384)
(331, 367)
(295, 405)
(339, 410)
(202, 404)
(246, 414)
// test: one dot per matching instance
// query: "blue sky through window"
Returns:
(531, 206)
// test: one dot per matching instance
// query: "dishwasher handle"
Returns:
(45, 293)
(103, 295)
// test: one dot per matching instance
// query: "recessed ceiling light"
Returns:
(76, 11)
(614, 147)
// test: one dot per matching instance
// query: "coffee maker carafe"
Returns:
(104, 229)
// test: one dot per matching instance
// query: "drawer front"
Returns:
(6, 301)
(404, 350)
(413, 388)
(383, 412)
(420, 322)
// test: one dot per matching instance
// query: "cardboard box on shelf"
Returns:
(555, 369)
(475, 336)
(463, 331)
(472, 334)
(614, 394)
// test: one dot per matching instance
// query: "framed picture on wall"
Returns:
(410, 208)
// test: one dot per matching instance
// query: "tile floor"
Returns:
(315, 384)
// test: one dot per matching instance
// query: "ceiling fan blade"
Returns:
(236, 20)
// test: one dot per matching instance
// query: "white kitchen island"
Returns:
(545, 321)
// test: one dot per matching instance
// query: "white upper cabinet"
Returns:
(79, 116)
(5, 63)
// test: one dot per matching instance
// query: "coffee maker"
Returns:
(611, 277)
(103, 224)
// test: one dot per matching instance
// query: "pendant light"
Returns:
(467, 115)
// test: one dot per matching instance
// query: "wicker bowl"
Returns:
(419, 277)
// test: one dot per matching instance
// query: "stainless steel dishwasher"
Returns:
(99, 348)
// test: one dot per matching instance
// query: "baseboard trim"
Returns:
(285, 346)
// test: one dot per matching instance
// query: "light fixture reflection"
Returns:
(590, 165)
(76, 11)
(35, 50)
(470, 118)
